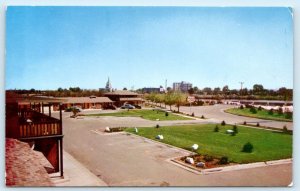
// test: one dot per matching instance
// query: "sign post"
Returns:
(190, 99)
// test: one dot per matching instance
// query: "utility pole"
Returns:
(241, 86)
(166, 85)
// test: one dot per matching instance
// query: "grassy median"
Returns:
(144, 113)
(261, 114)
(268, 145)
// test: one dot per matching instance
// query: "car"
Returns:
(137, 106)
(78, 109)
(127, 106)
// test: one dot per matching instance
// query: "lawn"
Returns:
(268, 145)
(144, 113)
(261, 114)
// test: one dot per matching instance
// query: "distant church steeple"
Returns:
(108, 85)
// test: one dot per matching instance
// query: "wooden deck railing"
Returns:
(38, 125)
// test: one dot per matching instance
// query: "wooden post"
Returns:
(61, 158)
(60, 117)
(49, 105)
(42, 107)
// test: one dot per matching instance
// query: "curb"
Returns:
(227, 168)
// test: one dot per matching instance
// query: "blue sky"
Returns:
(51, 47)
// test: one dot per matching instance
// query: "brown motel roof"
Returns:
(23, 166)
(87, 100)
(131, 99)
(121, 92)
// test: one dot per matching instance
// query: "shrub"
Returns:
(166, 114)
(280, 110)
(253, 110)
(247, 148)
(257, 124)
(208, 158)
(193, 114)
(241, 107)
(233, 134)
(157, 126)
(289, 115)
(259, 108)
(271, 112)
(223, 123)
(245, 123)
(223, 160)
(284, 129)
(202, 117)
(248, 106)
(216, 128)
(235, 129)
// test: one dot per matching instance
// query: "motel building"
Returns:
(91, 102)
(121, 97)
(27, 123)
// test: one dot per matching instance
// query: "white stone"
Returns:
(229, 131)
(28, 121)
(189, 160)
(195, 147)
(107, 129)
(200, 164)
(160, 137)
(157, 119)
(136, 130)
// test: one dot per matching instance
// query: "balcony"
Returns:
(34, 124)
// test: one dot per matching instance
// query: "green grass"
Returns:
(144, 113)
(261, 114)
(268, 145)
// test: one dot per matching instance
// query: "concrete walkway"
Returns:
(75, 174)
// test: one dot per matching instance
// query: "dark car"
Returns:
(78, 109)
(127, 106)
(137, 106)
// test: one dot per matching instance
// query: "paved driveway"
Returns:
(123, 160)
(217, 113)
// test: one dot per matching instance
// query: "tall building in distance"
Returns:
(108, 86)
(182, 86)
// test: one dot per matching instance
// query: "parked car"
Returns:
(137, 106)
(127, 106)
(70, 109)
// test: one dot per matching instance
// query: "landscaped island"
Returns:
(261, 114)
(267, 145)
(150, 114)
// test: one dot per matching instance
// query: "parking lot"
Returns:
(126, 160)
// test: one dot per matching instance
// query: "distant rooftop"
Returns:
(91, 99)
(121, 92)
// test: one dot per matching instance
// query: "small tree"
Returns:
(216, 128)
(223, 123)
(257, 124)
(284, 129)
(271, 112)
(166, 114)
(245, 123)
(280, 110)
(259, 108)
(247, 148)
(202, 117)
(180, 99)
(289, 115)
(241, 107)
(235, 129)
(253, 110)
